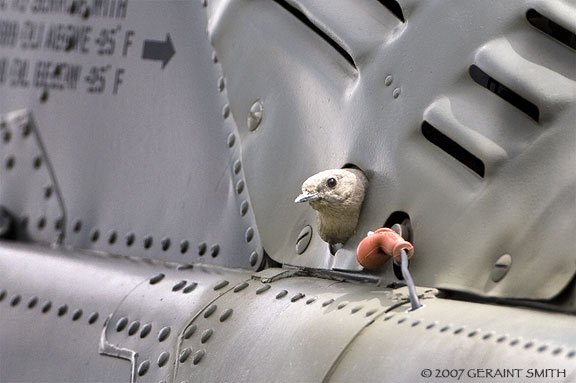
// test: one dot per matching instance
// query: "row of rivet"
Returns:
(47, 306)
(134, 326)
(237, 165)
(472, 334)
(148, 241)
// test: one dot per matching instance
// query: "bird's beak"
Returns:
(305, 197)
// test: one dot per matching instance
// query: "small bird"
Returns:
(337, 196)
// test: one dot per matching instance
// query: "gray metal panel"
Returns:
(331, 96)
(141, 148)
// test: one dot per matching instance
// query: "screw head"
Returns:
(255, 115)
(304, 239)
(501, 268)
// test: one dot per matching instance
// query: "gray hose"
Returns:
(409, 282)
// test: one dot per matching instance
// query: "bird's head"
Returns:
(335, 189)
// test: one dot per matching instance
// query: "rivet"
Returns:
(253, 258)
(226, 314)
(202, 248)
(342, 305)
(10, 162)
(401, 320)
(145, 330)
(231, 140)
(244, 208)
(209, 311)
(44, 95)
(190, 331)
(37, 162)
(237, 166)
(487, 336)
(59, 224)
(204, 3)
(445, 328)
(15, 301)
(7, 136)
(458, 331)
(2, 294)
(371, 312)
(178, 286)
(48, 192)
(32, 302)
(190, 288)
(184, 245)
(263, 289)
(130, 238)
(249, 234)
(41, 223)
(121, 324)
(304, 239)
(388, 80)
(112, 237)
(62, 310)
(206, 335)
(163, 358)
(542, 348)
(163, 334)
(143, 368)
(571, 354)
(472, 334)
(355, 309)
(430, 326)
(311, 300)
(46, 307)
(557, 351)
(226, 111)
(95, 235)
(501, 268)
(255, 115)
(133, 328)
(514, 342)
(240, 186)
(165, 244)
(187, 266)
(328, 302)
(93, 318)
(241, 287)
(26, 130)
(157, 278)
(529, 345)
(214, 250)
(214, 58)
(221, 84)
(198, 356)
(396, 93)
(415, 323)
(501, 339)
(77, 314)
(281, 294)
(148, 241)
(297, 297)
(221, 285)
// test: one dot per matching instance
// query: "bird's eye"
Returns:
(331, 182)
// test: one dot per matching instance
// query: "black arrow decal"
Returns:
(158, 50)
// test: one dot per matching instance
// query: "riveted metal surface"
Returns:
(28, 187)
(469, 336)
(180, 135)
(301, 341)
(394, 94)
(165, 308)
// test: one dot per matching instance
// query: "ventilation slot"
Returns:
(453, 148)
(306, 21)
(551, 28)
(393, 7)
(479, 76)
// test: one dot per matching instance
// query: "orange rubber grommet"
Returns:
(376, 249)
